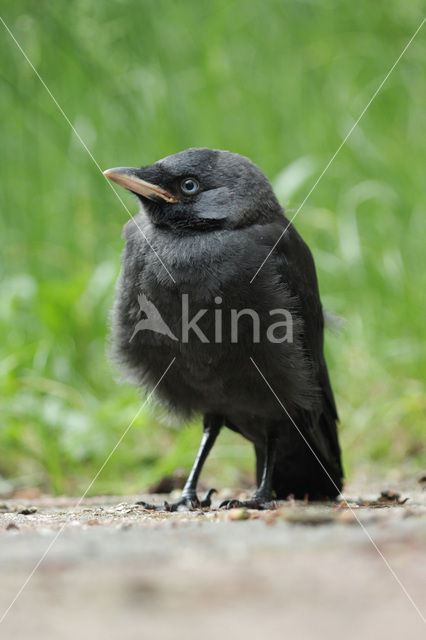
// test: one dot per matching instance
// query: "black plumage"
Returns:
(208, 220)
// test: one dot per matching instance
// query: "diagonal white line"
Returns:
(338, 490)
(80, 500)
(345, 139)
(83, 143)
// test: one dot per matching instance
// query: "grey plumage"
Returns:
(212, 242)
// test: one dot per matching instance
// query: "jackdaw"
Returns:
(218, 311)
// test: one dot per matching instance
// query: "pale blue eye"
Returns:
(189, 186)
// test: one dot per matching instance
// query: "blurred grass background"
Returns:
(279, 81)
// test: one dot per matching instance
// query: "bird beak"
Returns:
(127, 177)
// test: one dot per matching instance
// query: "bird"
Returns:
(212, 251)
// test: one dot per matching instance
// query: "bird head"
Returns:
(201, 189)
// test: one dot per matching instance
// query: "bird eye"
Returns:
(189, 186)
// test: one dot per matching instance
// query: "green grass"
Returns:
(279, 81)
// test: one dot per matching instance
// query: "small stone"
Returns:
(27, 511)
(389, 496)
(238, 514)
(344, 504)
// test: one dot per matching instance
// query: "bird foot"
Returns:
(254, 503)
(188, 502)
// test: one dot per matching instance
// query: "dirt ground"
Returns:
(112, 570)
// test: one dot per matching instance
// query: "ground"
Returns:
(341, 570)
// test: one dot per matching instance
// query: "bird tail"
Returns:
(308, 462)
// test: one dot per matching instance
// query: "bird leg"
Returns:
(263, 497)
(189, 500)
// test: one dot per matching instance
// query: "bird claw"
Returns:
(206, 501)
(254, 503)
(185, 503)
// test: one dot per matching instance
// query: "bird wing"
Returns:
(297, 270)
